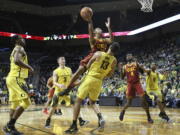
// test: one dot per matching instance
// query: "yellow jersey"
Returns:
(64, 76)
(152, 80)
(101, 67)
(15, 70)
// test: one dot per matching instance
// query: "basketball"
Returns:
(86, 13)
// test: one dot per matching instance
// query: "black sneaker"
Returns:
(83, 122)
(58, 113)
(164, 116)
(73, 129)
(150, 120)
(48, 121)
(101, 125)
(121, 117)
(11, 130)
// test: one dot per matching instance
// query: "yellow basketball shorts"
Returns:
(65, 98)
(17, 88)
(91, 87)
(23, 103)
(152, 93)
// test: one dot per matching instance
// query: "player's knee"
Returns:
(25, 103)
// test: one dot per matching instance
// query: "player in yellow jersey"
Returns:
(97, 43)
(61, 79)
(152, 87)
(17, 87)
(100, 66)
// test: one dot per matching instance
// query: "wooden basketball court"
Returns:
(135, 123)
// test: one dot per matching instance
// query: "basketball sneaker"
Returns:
(101, 125)
(48, 121)
(45, 111)
(164, 116)
(11, 130)
(121, 117)
(73, 129)
(83, 122)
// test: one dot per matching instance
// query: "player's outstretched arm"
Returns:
(19, 52)
(91, 32)
(108, 25)
(94, 57)
(143, 69)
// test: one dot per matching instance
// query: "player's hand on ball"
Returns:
(108, 23)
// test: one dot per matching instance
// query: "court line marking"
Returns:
(36, 129)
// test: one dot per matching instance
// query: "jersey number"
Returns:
(104, 65)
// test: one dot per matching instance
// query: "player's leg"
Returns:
(82, 94)
(50, 96)
(19, 108)
(129, 96)
(19, 102)
(76, 109)
(144, 102)
(158, 98)
(94, 93)
(101, 121)
(54, 105)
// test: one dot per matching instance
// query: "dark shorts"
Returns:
(86, 59)
(134, 89)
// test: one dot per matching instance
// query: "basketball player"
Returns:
(152, 87)
(50, 96)
(101, 65)
(17, 87)
(61, 78)
(131, 71)
(97, 43)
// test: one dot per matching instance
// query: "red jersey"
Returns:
(132, 72)
(100, 45)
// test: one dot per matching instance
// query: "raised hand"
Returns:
(108, 23)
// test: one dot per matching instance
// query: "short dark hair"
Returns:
(115, 47)
(15, 38)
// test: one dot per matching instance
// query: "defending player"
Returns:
(17, 87)
(152, 87)
(61, 78)
(101, 65)
(131, 71)
(97, 43)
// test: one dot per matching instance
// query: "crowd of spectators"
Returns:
(165, 53)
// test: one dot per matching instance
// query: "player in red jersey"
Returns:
(97, 43)
(50, 96)
(131, 71)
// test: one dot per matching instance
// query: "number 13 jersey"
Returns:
(102, 66)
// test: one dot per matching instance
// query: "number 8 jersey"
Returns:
(132, 72)
(101, 67)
